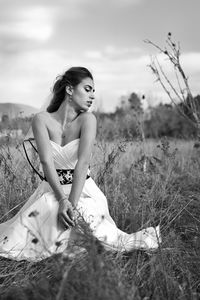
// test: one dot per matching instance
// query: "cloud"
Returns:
(191, 65)
(40, 39)
(32, 74)
(191, 62)
(125, 2)
(28, 29)
(24, 28)
(111, 52)
(25, 25)
(35, 24)
(93, 54)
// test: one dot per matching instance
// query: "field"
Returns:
(146, 184)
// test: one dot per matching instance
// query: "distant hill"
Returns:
(14, 110)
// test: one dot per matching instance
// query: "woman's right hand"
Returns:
(65, 213)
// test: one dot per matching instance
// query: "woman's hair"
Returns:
(71, 77)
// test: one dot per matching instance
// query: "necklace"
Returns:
(66, 126)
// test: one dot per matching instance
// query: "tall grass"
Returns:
(165, 192)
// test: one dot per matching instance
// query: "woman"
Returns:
(64, 136)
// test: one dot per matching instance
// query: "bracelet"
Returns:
(61, 199)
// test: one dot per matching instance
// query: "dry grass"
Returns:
(167, 193)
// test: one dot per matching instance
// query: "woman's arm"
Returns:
(45, 154)
(88, 134)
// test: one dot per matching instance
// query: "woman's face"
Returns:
(83, 94)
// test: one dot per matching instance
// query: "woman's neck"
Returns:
(65, 114)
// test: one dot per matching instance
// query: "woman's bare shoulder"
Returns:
(88, 125)
(42, 116)
(87, 117)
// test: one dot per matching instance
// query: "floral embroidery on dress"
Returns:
(65, 176)
(58, 244)
(35, 241)
(5, 239)
(34, 213)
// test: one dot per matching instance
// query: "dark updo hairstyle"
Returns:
(71, 77)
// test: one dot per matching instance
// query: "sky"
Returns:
(40, 39)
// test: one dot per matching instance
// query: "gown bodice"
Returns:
(65, 157)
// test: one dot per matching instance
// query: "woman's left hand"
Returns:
(66, 213)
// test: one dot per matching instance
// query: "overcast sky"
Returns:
(40, 39)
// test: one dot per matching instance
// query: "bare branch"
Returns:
(172, 52)
(168, 81)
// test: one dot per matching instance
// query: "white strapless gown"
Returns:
(33, 234)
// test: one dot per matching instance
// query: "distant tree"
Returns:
(5, 122)
(166, 121)
(124, 122)
(137, 113)
(135, 102)
(123, 102)
(5, 119)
